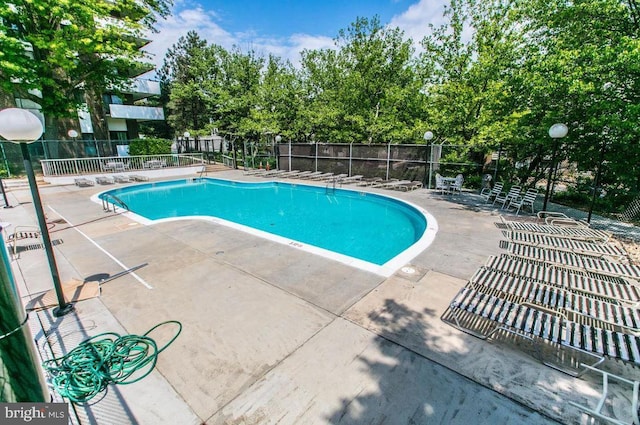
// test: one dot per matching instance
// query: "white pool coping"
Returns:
(387, 269)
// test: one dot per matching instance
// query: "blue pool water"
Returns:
(365, 226)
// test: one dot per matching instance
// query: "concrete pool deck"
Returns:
(273, 334)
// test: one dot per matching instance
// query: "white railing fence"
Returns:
(80, 166)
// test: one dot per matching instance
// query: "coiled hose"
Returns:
(104, 359)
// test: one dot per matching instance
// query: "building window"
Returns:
(118, 135)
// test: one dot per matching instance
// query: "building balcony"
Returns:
(141, 88)
(141, 113)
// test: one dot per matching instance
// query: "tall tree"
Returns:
(51, 52)
(183, 76)
(279, 100)
(367, 90)
(581, 67)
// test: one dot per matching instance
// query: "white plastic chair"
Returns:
(441, 185)
(528, 199)
(456, 186)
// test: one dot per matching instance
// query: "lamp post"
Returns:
(428, 136)
(186, 141)
(557, 131)
(21, 126)
(276, 151)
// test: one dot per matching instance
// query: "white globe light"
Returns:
(428, 135)
(72, 133)
(19, 125)
(278, 138)
(187, 134)
(558, 131)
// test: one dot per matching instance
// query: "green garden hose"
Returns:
(104, 359)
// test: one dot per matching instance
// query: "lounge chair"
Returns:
(489, 194)
(554, 297)
(254, 171)
(613, 252)
(272, 173)
(597, 411)
(331, 177)
(302, 174)
(386, 183)
(491, 314)
(321, 176)
(21, 233)
(527, 200)
(83, 182)
(605, 287)
(311, 176)
(351, 179)
(412, 185)
(396, 184)
(576, 261)
(577, 231)
(121, 178)
(138, 178)
(505, 198)
(368, 181)
(104, 180)
(288, 174)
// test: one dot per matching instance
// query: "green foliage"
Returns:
(495, 75)
(149, 146)
(69, 42)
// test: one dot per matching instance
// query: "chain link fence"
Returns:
(387, 161)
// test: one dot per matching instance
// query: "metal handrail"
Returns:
(105, 202)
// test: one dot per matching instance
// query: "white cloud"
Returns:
(186, 16)
(415, 20)
(206, 24)
(179, 24)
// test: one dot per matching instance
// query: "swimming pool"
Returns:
(367, 230)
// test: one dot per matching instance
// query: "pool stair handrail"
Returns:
(118, 202)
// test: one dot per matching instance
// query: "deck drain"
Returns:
(408, 270)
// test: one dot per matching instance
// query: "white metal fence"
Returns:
(80, 166)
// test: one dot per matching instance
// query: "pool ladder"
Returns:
(330, 188)
(114, 201)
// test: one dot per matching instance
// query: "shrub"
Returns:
(151, 146)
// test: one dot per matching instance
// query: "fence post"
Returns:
(316, 167)
(350, 157)
(430, 164)
(388, 159)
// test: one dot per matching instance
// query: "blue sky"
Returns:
(286, 27)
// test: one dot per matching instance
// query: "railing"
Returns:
(118, 201)
(229, 161)
(112, 164)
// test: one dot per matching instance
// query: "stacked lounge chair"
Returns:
(83, 182)
(588, 262)
(558, 285)
(562, 286)
(572, 230)
(572, 245)
(589, 337)
(351, 179)
(600, 286)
